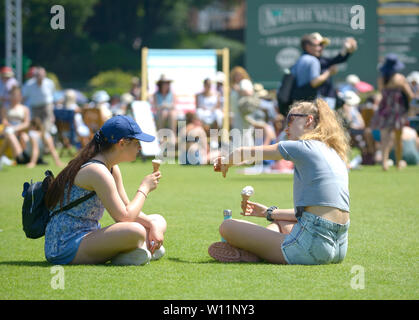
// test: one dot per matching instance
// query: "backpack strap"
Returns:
(82, 199)
(74, 203)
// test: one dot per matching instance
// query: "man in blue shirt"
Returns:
(313, 72)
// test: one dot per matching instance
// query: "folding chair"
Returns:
(66, 133)
(92, 118)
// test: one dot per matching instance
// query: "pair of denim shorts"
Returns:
(314, 240)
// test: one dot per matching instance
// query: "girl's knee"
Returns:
(134, 231)
(226, 227)
(159, 219)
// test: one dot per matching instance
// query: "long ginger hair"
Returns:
(65, 178)
(328, 129)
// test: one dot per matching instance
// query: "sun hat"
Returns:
(413, 77)
(351, 98)
(163, 78)
(318, 36)
(391, 64)
(352, 79)
(121, 126)
(219, 77)
(127, 98)
(7, 72)
(246, 85)
(101, 96)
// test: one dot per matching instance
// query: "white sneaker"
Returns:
(136, 257)
(6, 161)
(158, 253)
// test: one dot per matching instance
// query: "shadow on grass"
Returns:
(263, 177)
(212, 261)
(44, 264)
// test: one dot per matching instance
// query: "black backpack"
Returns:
(284, 93)
(35, 214)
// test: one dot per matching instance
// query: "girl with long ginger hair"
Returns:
(316, 230)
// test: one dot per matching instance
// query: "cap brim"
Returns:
(325, 41)
(144, 137)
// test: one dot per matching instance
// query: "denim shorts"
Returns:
(314, 240)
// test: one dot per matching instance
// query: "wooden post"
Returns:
(226, 93)
(144, 75)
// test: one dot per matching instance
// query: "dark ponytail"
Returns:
(66, 177)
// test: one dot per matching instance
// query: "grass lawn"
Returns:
(383, 242)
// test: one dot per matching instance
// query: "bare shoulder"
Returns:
(399, 79)
(92, 175)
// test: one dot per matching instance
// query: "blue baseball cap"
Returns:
(120, 126)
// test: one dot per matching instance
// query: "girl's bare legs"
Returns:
(398, 147)
(101, 245)
(263, 242)
(284, 227)
(12, 141)
(386, 142)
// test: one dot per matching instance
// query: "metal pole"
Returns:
(14, 37)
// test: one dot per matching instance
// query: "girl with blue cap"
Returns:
(75, 236)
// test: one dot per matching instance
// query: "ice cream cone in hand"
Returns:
(246, 193)
(156, 164)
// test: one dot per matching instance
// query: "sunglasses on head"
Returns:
(290, 117)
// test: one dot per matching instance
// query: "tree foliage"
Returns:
(102, 35)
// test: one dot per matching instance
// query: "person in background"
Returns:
(413, 79)
(163, 102)
(393, 109)
(135, 88)
(193, 147)
(258, 120)
(31, 150)
(101, 101)
(38, 95)
(307, 71)
(208, 107)
(237, 74)
(410, 142)
(326, 90)
(16, 121)
(7, 82)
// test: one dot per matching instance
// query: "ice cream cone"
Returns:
(246, 193)
(156, 165)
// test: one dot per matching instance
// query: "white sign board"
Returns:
(144, 117)
(187, 68)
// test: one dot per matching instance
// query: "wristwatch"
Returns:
(269, 213)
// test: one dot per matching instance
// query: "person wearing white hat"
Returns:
(7, 82)
(413, 79)
(352, 119)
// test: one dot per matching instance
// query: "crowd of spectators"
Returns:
(35, 117)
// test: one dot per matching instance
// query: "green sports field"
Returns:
(382, 260)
